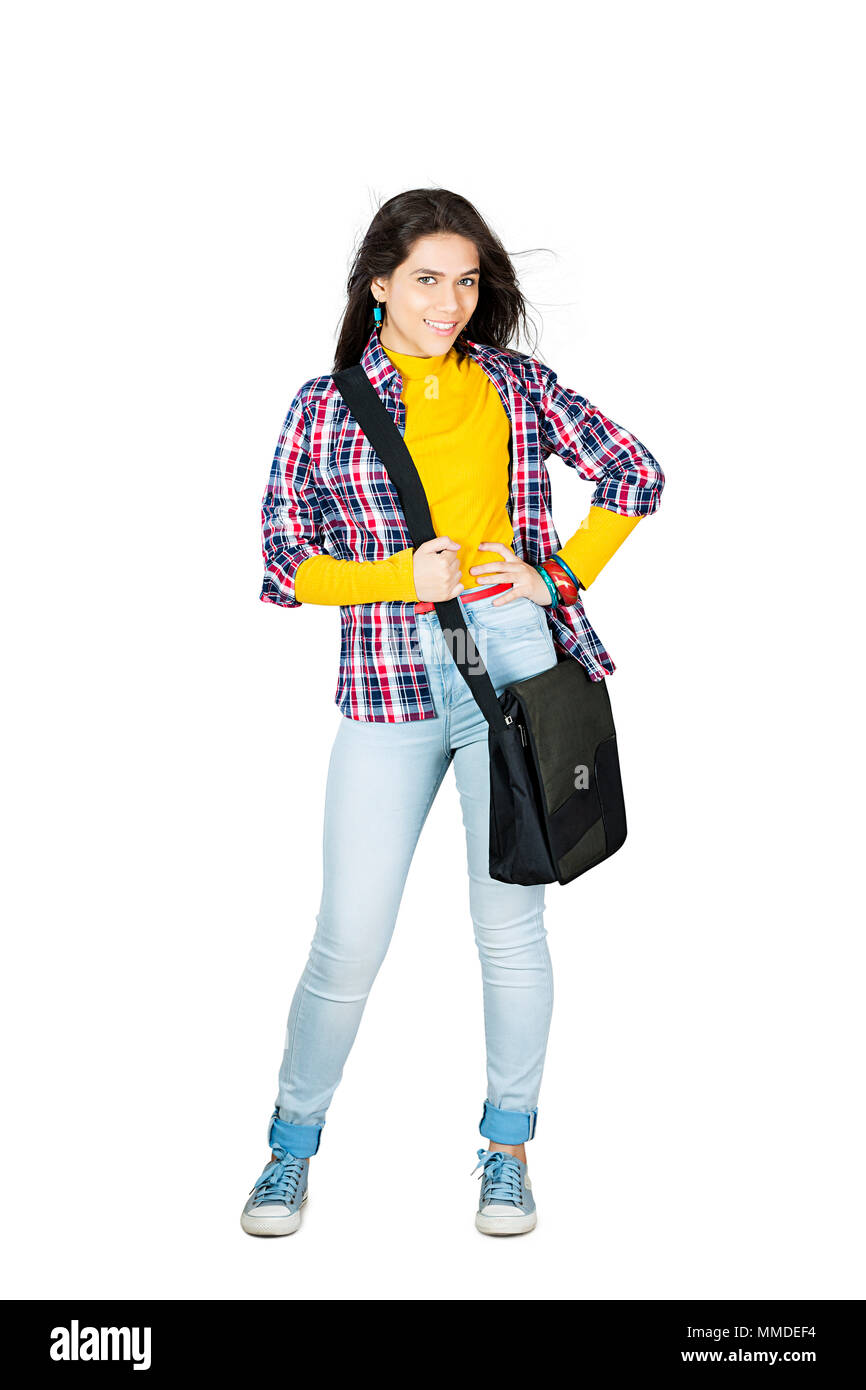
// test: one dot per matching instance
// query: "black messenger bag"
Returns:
(556, 802)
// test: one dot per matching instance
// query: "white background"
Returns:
(185, 186)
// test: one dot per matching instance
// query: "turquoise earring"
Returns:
(377, 315)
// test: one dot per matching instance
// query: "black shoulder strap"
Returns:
(371, 414)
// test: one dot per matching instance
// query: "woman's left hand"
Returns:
(527, 582)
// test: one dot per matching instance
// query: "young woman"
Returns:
(433, 301)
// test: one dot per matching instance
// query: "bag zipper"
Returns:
(521, 730)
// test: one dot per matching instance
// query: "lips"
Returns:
(441, 327)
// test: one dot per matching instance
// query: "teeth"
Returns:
(434, 324)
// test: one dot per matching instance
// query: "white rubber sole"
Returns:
(505, 1225)
(273, 1225)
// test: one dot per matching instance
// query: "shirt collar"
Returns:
(385, 376)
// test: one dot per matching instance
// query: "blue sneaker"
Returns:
(273, 1207)
(506, 1206)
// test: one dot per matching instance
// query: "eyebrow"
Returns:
(423, 270)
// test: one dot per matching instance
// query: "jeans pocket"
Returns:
(517, 615)
(545, 625)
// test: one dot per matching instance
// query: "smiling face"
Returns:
(430, 297)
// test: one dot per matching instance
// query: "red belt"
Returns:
(467, 596)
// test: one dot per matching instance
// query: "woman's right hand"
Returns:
(435, 570)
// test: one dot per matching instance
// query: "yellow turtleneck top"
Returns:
(457, 433)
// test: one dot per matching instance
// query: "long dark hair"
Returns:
(397, 225)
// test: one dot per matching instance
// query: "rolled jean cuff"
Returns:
(300, 1140)
(507, 1126)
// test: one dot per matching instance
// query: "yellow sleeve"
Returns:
(325, 579)
(596, 539)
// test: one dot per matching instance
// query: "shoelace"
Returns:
(279, 1181)
(500, 1177)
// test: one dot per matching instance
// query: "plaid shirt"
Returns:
(328, 493)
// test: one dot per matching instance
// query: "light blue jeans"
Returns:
(382, 779)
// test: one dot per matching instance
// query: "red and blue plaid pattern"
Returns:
(328, 493)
